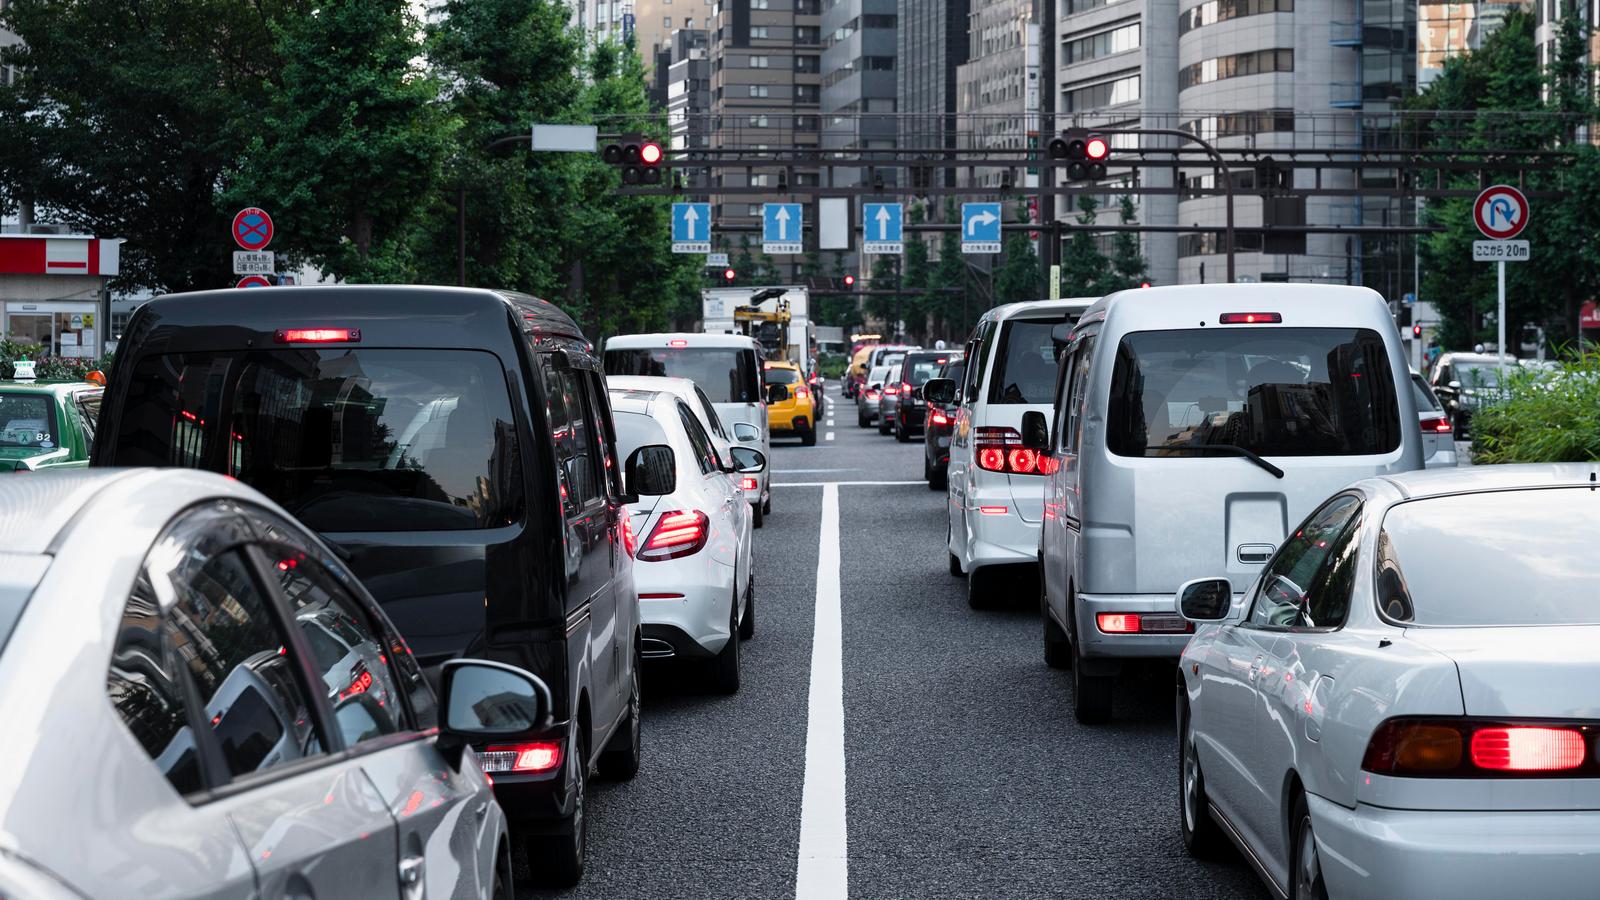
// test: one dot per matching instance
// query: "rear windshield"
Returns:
(726, 374)
(635, 430)
(345, 440)
(1500, 558)
(1420, 392)
(781, 376)
(1025, 367)
(1273, 391)
(28, 420)
(919, 368)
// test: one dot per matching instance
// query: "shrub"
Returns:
(54, 368)
(1542, 416)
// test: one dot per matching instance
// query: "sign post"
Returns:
(1500, 212)
(252, 231)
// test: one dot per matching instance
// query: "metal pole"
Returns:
(461, 235)
(1049, 236)
(1501, 318)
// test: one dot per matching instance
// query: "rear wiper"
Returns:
(1233, 449)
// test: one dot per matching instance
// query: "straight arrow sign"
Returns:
(687, 235)
(883, 223)
(690, 217)
(782, 215)
(888, 218)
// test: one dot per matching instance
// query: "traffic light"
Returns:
(1416, 331)
(729, 275)
(1085, 152)
(849, 282)
(1144, 284)
(640, 159)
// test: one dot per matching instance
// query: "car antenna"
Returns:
(1591, 482)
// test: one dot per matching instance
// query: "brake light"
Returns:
(992, 459)
(872, 395)
(1250, 318)
(1000, 450)
(540, 756)
(317, 335)
(679, 342)
(662, 596)
(1023, 461)
(1481, 748)
(628, 539)
(1142, 623)
(1118, 623)
(748, 483)
(802, 393)
(938, 418)
(993, 510)
(1439, 425)
(676, 534)
(905, 388)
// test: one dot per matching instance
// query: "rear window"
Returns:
(919, 368)
(780, 376)
(345, 440)
(1272, 391)
(1423, 395)
(28, 420)
(635, 430)
(1025, 366)
(1496, 558)
(726, 374)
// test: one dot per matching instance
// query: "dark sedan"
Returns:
(938, 427)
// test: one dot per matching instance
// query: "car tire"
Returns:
(979, 583)
(883, 425)
(557, 860)
(747, 627)
(809, 437)
(927, 468)
(758, 515)
(723, 669)
(861, 419)
(620, 761)
(505, 886)
(1305, 881)
(901, 434)
(1202, 836)
(1057, 649)
(766, 505)
(1091, 694)
(940, 480)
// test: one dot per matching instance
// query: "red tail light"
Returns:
(1481, 748)
(748, 483)
(872, 395)
(1000, 450)
(317, 335)
(676, 534)
(1142, 623)
(905, 388)
(1440, 425)
(993, 510)
(1023, 461)
(938, 418)
(802, 393)
(1250, 318)
(1118, 623)
(540, 756)
(992, 459)
(629, 541)
(678, 342)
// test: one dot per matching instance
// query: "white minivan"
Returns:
(996, 490)
(727, 367)
(1192, 427)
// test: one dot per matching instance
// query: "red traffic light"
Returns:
(1144, 284)
(729, 274)
(1096, 148)
(1416, 331)
(650, 154)
(849, 281)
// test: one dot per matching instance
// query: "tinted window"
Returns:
(577, 454)
(28, 420)
(1307, 583)
(1501, 558)
(726, 374)
(144, 687)
(710, 413)
(779, 375)
(1025, 366)
(919, 368)
(1274, 391)
(1423, 395)
(706, 456)
(1077, 399)
(88, 404)
(346, 440)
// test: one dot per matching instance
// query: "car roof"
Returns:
(635, 401)
(39, 507)
(664, 339)
(1468, 479)
(1312, 305)
(671, 384)
(1029, 307)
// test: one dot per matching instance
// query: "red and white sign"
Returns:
(1589, 315)
(250, 281)
(32, 254)
(1501, 212)
(252, 228)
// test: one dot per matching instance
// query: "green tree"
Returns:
(1127, 263)
(916, 279)
(885, 277)
(1084, 269)
(953, 312)
(1018, 278)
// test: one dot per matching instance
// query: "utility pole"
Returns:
(1049, 234)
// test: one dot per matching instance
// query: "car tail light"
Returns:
(661, 596)
(748, 483)
(1438, 425)
(905, 388)
(629, 540)
(1142, 623)
(1250, 318)
(678, 342)
(539, 756)
(676, 534)
(1118, 623)
(317, 335)
(1001, 450)
(802, 393)
(1482, 748)
(872, 395)
(993, 510)
(938, 418)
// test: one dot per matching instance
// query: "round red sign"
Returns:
(250, 281)
(252, 228)
(1501, 212)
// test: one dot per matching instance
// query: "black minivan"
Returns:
(456, 447)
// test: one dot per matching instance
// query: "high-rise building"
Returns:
(649, 22)
(1445, 30)
(858, 81)
(991, 95)
(686, 84)
(929, 47)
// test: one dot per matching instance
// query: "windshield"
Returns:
(28, 420)
(726, 374)
(345, 440)
(923, 367)
(1025, 369)
(1476, 376)
(779, 375)
(1493, 558)
(1272, 391)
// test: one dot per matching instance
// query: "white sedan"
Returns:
(691, 525)
(1406, 703)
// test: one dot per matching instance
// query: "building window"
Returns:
(758, 31)
(760, 62)
(1105, 43)
(758, 121)
(760, 180)
(666, 22)
(753, 209)
(1254, 63)
(1257, 121)
(808, 64)
(1213, 11)
(760, 4)
(1208, 242)
(760, 90)
(1115, 92)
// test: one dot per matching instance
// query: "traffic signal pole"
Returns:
(1049, 231)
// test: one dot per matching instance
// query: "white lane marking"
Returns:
(813, 471)
(824, 848)
(828, 436)
(845, 483)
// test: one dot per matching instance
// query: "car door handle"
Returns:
(1255, 668)
(411, 884)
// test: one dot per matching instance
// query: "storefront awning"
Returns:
(77, 254)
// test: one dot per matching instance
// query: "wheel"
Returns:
(758, 515)
(504, 884)
(1202, 836)
(955, 562)
(862, 419)
(766, 505)
(723, 674)
(901, 434)
(1091, 694)
(1308, 883)
(747, 628)
(927, 468)
(1057, 649)
(883, 425)
(621, 757)
(557, 860)
(809, 437)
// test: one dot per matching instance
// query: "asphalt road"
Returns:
(966, 775)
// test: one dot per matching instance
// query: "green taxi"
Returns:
(45, 424)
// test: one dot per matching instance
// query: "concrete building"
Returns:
(687, 89)
(991, 96)
(651, 22)
(930, 46)
(858, 81)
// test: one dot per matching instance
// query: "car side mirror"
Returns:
(1455, 385)
(744, 431)
(939, 390)
(777, 393)
(652, 470)
(1205, 599)
(482, 700)
(749, 461)
(1035, 430)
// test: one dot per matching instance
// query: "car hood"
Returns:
(1527, 671)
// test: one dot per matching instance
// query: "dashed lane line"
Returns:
(824, 846)
(828, 436)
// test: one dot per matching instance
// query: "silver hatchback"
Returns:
(200, 701)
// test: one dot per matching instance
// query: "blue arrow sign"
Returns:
(691, 228)
(780, 228)
(881, 227)
(980, 228)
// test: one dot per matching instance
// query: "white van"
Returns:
(727, 367)
(1192, 427)
(996, 492)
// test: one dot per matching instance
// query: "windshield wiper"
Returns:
(1233, 449)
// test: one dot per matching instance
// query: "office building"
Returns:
(649, 22)
(930, 45)
(991, 100)
(686, 81)
(1445, 30)
(858, 81)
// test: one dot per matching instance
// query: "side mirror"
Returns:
(777, 393)
(1035, 430)
(1455, 385)
(744, 431)
(749, 461)
(1205, 599)
(484, 700)
(940, 390)
(652, 470)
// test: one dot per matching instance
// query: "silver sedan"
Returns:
(200, 701)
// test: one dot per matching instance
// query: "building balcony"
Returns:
(1344, 34)
(1344, 94)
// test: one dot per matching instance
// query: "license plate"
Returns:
(943, 442)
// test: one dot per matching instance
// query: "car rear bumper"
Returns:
(1092, 642)
(537, 803)
(1375, 852)
(1000, 540)
(699, 616)
(792, 425)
